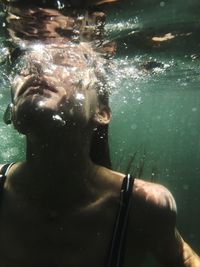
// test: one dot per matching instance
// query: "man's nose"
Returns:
(36, 68)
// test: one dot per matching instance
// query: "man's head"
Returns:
(59, 86)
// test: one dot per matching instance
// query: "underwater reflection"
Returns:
(75, 22)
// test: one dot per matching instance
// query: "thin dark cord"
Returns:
(116, 256)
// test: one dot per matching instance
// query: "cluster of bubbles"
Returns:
(12, 144)
(119, 29)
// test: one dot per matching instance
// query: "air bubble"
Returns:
(59, 120)
(71, 111)
(162, 4)
(41, 103)
(133, 126)
(80, 96)
(60, 5)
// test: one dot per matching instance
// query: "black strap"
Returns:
(116, 256)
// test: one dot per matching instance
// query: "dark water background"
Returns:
(155, 100)
(156, 111)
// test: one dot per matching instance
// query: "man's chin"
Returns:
(33, 119)
(42, 117)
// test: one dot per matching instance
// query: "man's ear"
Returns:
(103, 115)
(7, 117)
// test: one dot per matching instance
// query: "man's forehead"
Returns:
(68, 55)
(76, 63)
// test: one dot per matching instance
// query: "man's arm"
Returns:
(177, 253)
(155, 213)
(188, 258)
(170, 248)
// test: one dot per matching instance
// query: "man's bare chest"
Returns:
(30, 237)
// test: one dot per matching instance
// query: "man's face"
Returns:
(54, 85)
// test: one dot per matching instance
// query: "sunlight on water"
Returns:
(118, 29)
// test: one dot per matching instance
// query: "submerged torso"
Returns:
(42, 233)
(34, 233)
(76, 241)
(31, 236)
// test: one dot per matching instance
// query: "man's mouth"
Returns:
(35, 86)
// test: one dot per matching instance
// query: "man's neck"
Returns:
(60, 165)
(64, 151)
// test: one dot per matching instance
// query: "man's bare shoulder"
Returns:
(146, 195)
(148, 192)
(155, 195)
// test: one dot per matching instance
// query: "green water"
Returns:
(155, 112)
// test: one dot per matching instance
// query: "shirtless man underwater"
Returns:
(59, 207)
